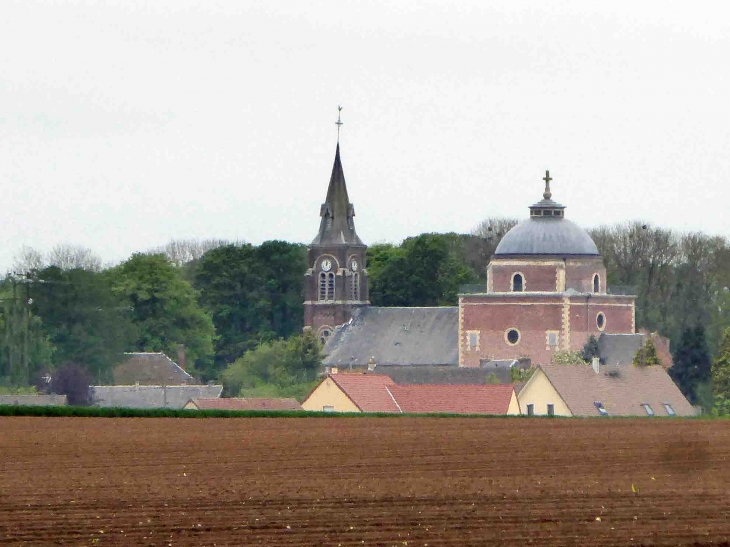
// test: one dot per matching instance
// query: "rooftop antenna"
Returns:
(547, 194)
(338, 123)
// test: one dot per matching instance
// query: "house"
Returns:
(249, 403)
(150, 369)
(141, 396)
(620, 349)
(602, 390)
(379, 393)
(33, 400)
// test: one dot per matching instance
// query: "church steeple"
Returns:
(337, 226)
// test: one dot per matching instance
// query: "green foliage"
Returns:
(424, 271)
(646, 355)
(253, 294)
(492, 378)
(518, 374)
(25, 348)
(85, 321)
(590, 349)
(164, 308)
(18, 390)
(564, 357)
(276, 368)
(692, 366)
(721, 377)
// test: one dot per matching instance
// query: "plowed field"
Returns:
(371, 481)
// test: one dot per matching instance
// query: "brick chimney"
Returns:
(181, 356)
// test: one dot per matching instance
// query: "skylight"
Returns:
(601, 409)
(649, 410)
(669, 409)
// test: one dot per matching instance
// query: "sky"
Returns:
(125, 124)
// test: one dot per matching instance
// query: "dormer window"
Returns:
(518, 283)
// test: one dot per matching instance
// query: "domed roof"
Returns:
(547, 232)
(547, 236)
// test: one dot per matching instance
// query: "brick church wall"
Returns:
(541, 277)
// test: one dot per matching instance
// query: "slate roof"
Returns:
(621, 389)
(337, 226)
(33, 400)
(619, 349)
(453, 399)
(151, 369)
(248, 403)
(151, 396)
(547, 236)
(396, 336)
(367, 391)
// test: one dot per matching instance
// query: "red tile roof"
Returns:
(367, 391)
(249, 403)
(454, 399)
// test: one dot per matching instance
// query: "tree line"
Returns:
(223, 300)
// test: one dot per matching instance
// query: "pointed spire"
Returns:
(337, 226)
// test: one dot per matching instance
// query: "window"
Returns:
(518, 283)
(326, 286)
(328, 408)
(330, 286)
(530, 410)
(324, 336)
(512, 336)
(473, 339)
(551, 409)
(649, 410)
(323, 286)
(552, 338)
(355, 287)
(601, 320)
(536, 212)
(669, 409)
(596, 283)
(601, 409)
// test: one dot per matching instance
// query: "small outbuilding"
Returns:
(240, 403)
(602, 390)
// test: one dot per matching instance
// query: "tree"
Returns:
(564, 357)
(721, 377)
(253, 294)
(87, 324)
(72, 380)
(183, 251)
(73, 257)
(276, 368)
(646, 355)
(590, 349)
(164, 308)
(692, 368)
(423, 271)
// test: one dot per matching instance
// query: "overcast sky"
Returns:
(124, 124)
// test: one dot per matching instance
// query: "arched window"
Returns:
(326, 286)
(596, 283)
(323, 286)
(518, 283)
(330, 286)
(324, 336)
(355, 287)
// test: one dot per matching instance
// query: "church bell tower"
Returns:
(336, 280)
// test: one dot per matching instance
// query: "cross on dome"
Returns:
(547, 194)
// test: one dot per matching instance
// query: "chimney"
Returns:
(595, 363)
(181, 356)
(371, 364)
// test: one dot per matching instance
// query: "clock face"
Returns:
(354, 265)
(326, 265)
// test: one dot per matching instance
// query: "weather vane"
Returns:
(547, 179)
(338, 123)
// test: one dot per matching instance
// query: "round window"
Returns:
(601, 321)
(513, 336)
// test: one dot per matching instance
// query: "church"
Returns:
(546, 291)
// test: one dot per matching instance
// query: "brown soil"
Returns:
(389, 481)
